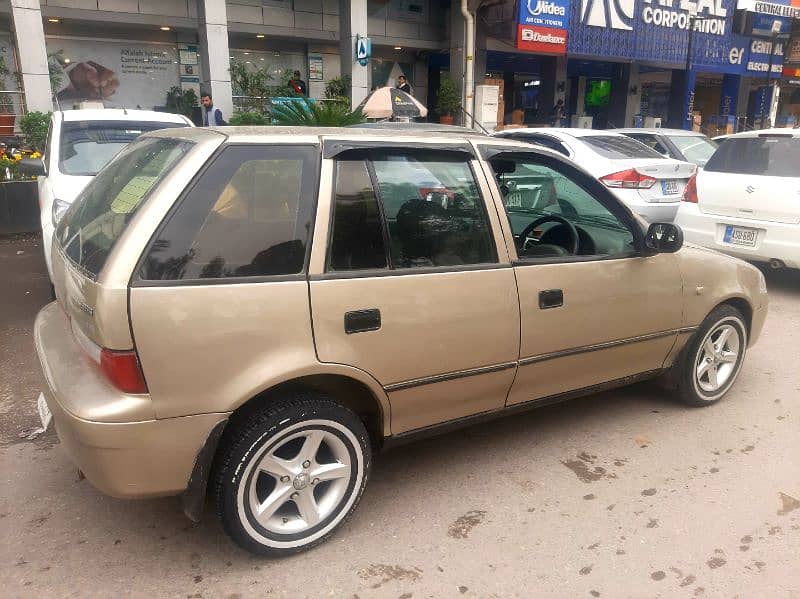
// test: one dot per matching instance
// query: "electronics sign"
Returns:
(542, 26)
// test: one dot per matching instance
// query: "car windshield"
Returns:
(618, 147)
(696, 148)
(101, 212)
(87, 146)
(775, 155)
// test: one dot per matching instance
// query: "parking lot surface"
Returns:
(620, 494)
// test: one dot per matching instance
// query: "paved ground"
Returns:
(622, 494)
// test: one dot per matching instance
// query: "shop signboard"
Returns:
(118, 73)
(793, 53)
(778, 8)
(542, 26)
(750, 56)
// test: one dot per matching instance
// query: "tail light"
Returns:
(629, 179)
(123, 370)
(690, 191)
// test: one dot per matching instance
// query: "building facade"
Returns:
(613, 64)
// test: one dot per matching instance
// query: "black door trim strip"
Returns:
(605, 345)
(449, 376)
(451, 425)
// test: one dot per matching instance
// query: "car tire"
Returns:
(713, 359)
(287, 476)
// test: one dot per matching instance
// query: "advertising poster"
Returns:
(119, 74)
(542, 26)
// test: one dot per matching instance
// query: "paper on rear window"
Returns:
(92, 225)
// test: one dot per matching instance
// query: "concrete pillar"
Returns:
(214, 54)
(681, 99)
(352, 25)
(547, 88)
(457, 44)
(561, 79)
(32, 53)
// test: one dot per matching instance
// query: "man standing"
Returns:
(558, 114)
(403, 85)
(297, 85)
(212, 117)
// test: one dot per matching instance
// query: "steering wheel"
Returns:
(524, 236)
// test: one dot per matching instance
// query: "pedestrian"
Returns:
(297, 85)
(212, 117)
(403, 85)
(557, 114)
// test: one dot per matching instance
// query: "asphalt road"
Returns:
(622, 494)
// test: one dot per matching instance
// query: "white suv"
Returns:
(79, 144)
(746, 202)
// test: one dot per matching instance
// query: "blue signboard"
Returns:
(544, 13)
(657, 31)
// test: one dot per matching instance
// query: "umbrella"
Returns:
(390, 102)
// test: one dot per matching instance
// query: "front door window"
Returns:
(552, 215)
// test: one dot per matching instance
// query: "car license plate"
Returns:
(669, 187)
(739, 236)
(45, 415)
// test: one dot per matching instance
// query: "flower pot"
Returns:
(446, 119)
(7, 125)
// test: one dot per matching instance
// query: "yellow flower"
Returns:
(36, 155)
(18, 157)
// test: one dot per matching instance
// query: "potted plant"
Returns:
(448, 101)
(34, 126)
(181, 101)
(7, 116)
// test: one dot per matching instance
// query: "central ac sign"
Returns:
(541, 39)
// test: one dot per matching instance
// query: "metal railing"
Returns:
(12, 104)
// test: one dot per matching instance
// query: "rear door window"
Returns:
(618, 148)
(248, 215)
(95, 221)
(652, 141)
(767, 155)
(87, 146)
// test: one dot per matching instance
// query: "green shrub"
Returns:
(448, 98)
(181, 101)
(247, 118)
(34, 125)
(322, 114)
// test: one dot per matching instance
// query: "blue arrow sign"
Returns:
(363, 48)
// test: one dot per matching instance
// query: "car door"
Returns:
(601, 314)
(411, 282)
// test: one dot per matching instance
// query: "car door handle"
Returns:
(551, 298)
(359, 321)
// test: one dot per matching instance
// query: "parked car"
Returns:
(79, 144)
(746, 202)
(679, 144)
(259, 312)
(650, 184)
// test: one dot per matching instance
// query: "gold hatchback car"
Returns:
(252, 313)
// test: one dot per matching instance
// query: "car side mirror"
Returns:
(664, 238)
(33, 167)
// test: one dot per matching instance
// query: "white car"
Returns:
(79, 144)
(650, 184)
(746, 202)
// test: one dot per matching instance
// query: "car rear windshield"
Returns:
(616, 148)
(88, 146)
(696, 148)
(98, 217)
(770, 155)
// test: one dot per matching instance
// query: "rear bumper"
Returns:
(652, 212)
(779, 241)
(113, 438)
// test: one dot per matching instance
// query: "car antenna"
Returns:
(124, 111)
